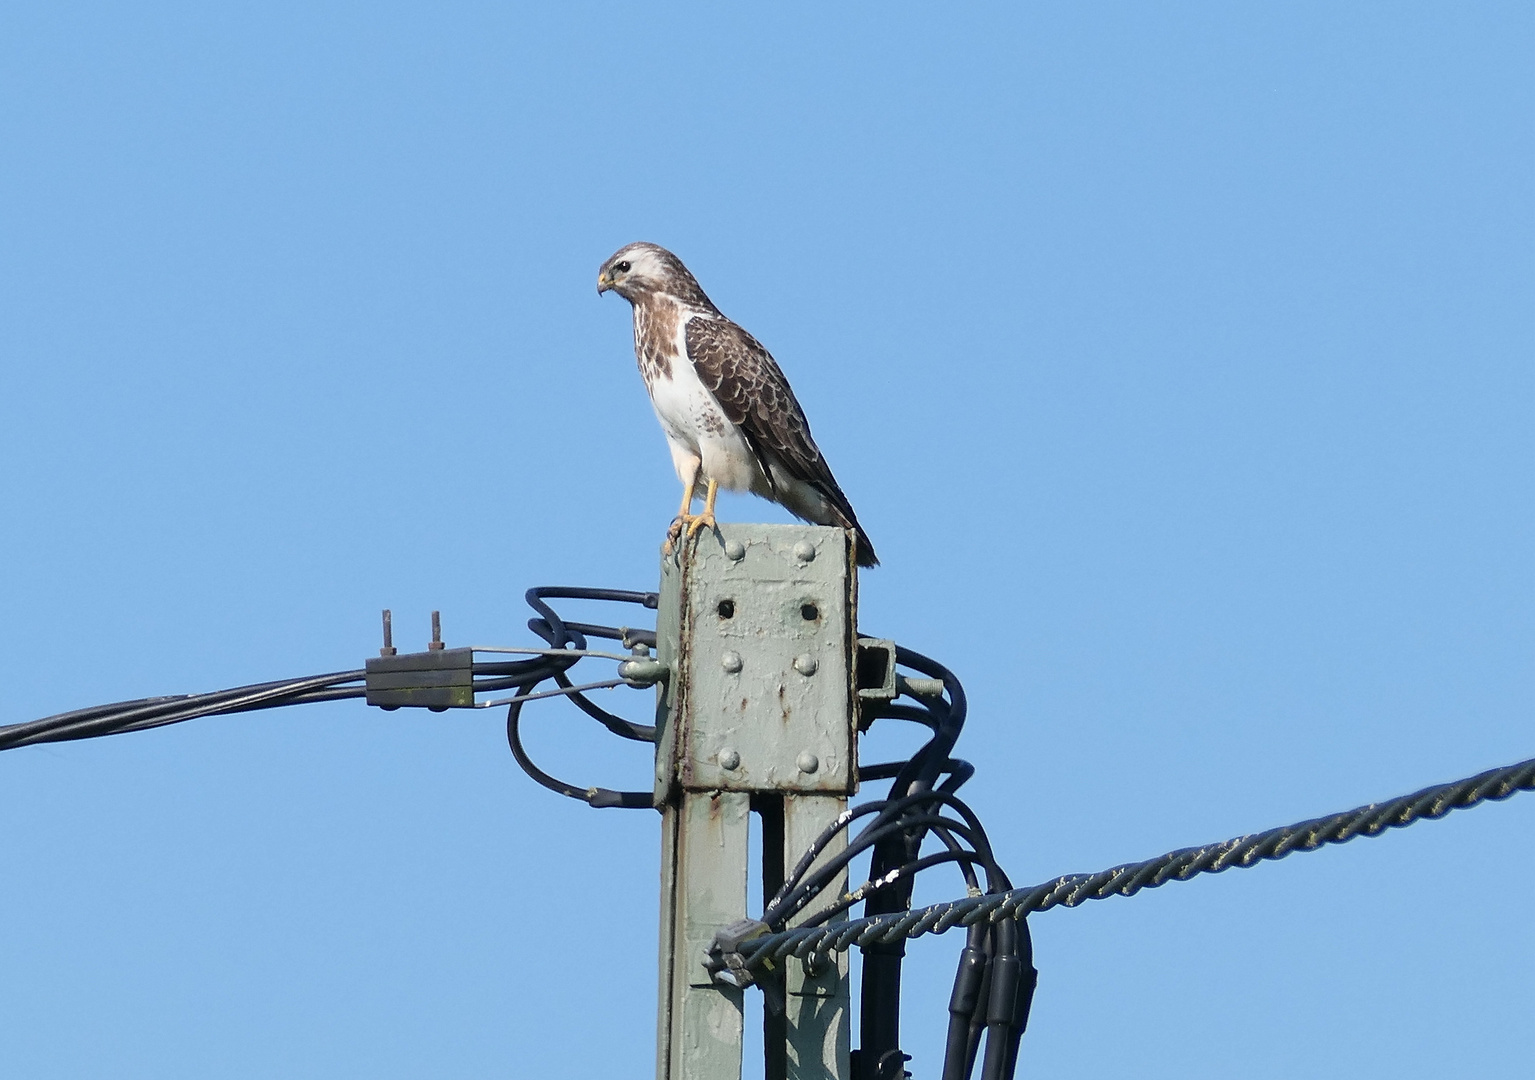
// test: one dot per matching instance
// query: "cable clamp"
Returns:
(643, 671)
(724, 960)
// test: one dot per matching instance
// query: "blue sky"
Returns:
(1176, 357)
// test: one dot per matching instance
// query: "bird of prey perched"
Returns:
(729, 416)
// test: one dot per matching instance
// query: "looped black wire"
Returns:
(552, 626)
(896, 838)
(559, 634)
(894, 816)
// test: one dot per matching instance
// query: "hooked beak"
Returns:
(604, 283)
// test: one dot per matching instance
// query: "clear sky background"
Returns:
(1177, 358)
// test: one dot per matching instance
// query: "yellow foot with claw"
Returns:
(702, 521)
(674, 533)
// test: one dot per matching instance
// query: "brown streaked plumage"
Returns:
(729, 416)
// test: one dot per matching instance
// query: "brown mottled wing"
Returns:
(749, 386)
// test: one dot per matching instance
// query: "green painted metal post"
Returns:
(819, 1001)
(757, 628)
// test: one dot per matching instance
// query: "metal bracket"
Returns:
(762, 643)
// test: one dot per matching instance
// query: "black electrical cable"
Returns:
(883, 807)
(1024, 1002)
(916, 713)
(989, 997)
(951, 719)
(551, 627)
(966, 1004)
(624, 729)
(888, 770)
(144, 713)
(559, 634)
(1002, 1002)
(880, 1005)
(946, 828)
(916, 807)
(892, 818)
(902, 875)
(629, 635)
(960, 772)
(514, 740)
(882, 961)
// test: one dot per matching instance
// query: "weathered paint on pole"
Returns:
(819, 1001)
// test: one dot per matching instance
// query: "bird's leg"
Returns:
(706, 519)
(683, 516)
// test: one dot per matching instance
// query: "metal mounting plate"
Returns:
(764, 687)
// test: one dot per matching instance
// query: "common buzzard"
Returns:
(729, 416)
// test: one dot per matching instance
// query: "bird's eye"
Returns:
(623, 267)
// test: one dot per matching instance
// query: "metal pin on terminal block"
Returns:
(388, 649)
(438, 679)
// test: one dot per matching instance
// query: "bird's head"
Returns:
(636, 271)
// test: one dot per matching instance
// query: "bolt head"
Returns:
(805, 664)
(804, 551)
(807, 762)
(728, 758)
(730, 660)
(735, 551)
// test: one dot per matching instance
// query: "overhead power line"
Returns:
(751, 604)
(1130, 878)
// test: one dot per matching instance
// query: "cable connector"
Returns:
(726, 964)
(642, 669)
(438, 680)
(723, 958)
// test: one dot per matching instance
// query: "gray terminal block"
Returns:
(757, 622)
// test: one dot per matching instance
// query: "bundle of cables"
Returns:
(141, 714)
(994, 985)
(995, 982)
(145, 713)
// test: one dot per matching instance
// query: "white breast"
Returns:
(696, 426)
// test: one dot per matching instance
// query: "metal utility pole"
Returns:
(757, 628)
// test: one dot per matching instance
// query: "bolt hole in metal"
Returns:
(809, 612)
(727, 609)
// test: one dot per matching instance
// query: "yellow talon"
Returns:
(706, 519)
(683, 518)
